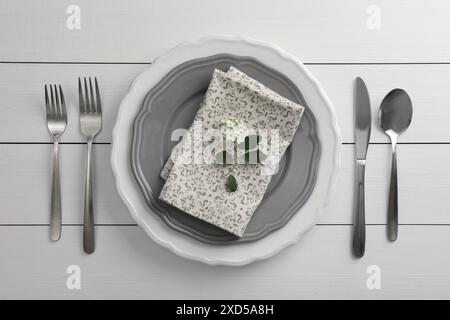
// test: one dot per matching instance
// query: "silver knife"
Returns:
(363, 122)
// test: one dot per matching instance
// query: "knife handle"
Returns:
(359, 227)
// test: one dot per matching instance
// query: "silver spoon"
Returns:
(395, 116)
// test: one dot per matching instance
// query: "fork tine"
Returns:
(87, 105)
(57, 102)
(91, 92)
(52, 99)
(97, 93)
(80, 97)
(63, 103)
(48, 110)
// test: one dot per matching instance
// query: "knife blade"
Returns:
(363, 121)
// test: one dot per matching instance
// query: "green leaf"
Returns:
(224, 158)
(254, 157)
(250, 142)
(231, 183)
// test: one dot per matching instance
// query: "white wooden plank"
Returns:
(21, 89)
(316, 31)
(127, 264)
(423, 180)
(25, 185)
(25, 172)
(427, 86)
(22, 103)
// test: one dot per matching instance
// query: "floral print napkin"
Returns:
(194, 180)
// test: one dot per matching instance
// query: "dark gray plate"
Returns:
(172, 104)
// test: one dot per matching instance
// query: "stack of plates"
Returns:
(166, 97)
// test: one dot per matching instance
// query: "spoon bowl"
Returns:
(395, 112)
(395, 117)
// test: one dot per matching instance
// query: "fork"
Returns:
(55, 108)
(90, 125)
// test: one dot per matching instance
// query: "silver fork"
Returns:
(90, 124)
(55, 108)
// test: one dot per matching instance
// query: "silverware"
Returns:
(395, 116)
(362, 136)
(90, 125)
(55, 108)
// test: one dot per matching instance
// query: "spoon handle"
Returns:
(392, 229)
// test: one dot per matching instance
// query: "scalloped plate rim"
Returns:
(240, 254)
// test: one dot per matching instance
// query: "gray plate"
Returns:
(172, 104)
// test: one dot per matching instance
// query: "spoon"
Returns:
(395, 116)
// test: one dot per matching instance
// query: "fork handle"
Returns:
(88, 226)
(55, 208)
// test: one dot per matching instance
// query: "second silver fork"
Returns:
(90, 125)
(55, 108)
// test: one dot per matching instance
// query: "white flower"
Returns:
(233, 129)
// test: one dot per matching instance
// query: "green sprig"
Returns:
(252, 155)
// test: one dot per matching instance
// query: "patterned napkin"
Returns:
(237, 106)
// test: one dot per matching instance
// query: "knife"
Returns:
(363, 122)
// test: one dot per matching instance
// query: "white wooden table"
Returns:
(389, 43)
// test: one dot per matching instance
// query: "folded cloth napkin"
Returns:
(197, 187)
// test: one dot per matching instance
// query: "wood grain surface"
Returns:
(409, 48)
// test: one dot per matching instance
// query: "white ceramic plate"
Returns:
(239, 253)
